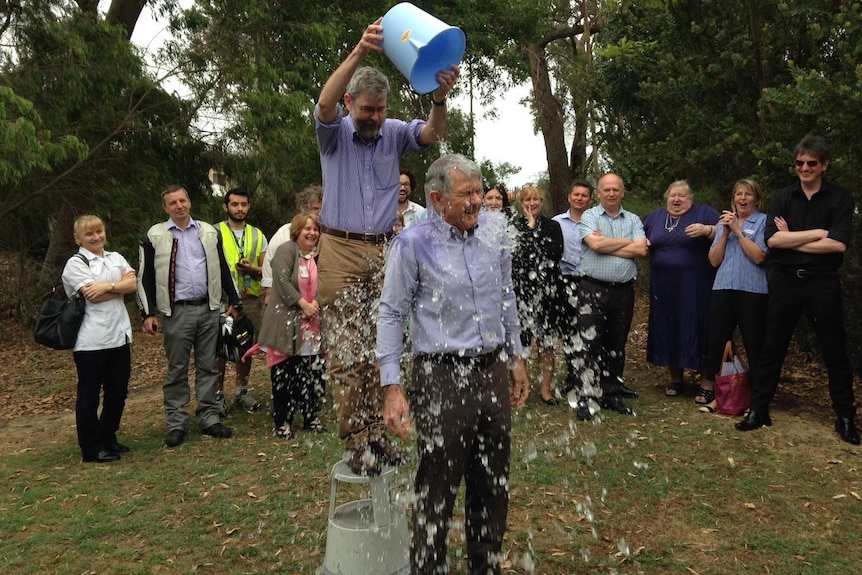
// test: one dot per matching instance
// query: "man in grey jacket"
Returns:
(183, 274)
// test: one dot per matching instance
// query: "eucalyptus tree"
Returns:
(714, 91)
(87, 129)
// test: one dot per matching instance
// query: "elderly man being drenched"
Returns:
(451, 275)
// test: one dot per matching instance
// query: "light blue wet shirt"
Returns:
(455, 288)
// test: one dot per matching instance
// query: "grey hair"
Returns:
(439, 176)
(679, 184)
(309, 195)
(369, 81)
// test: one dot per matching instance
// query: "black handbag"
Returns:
(60, 318)
(235, 337)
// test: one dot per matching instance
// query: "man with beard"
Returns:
(411, 212)
(359, 157)
(244, 249)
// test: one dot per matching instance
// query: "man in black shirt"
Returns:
(807, 231)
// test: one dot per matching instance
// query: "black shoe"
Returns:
(755, 419)
(552, 401)
(387, 452)
(629, 392)
(363, 461)
(118, 447)
(175, 437)
(614, 403)
(583, 410)
(218, 431)
(104, 456)
(846, 428)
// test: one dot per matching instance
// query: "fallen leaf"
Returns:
(839, 496)
(750, 506)
(856, 495)
(252, 495)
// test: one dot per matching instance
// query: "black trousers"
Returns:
(604, 321)
(819, 297)
(727, 310)
(569, 329)
(108, 370)
(463, 422)
(297, 385)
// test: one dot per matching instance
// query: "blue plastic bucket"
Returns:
(420, 45)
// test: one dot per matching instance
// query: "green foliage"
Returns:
(28, 147)
(713, 92)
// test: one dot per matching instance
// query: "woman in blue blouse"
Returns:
(740, 291)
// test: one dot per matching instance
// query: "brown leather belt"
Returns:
(367, 238)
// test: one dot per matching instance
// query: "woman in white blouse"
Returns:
(102, 351)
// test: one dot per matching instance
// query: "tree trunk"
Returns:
(126, 13)
(551, 122)
(61, 245)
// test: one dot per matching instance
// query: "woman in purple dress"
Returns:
(681, 278)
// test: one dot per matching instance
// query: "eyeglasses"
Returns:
(368, 110)
(809, 163)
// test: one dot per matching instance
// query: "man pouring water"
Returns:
(360, 159)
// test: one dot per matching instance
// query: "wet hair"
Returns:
(173, 188)
(751, 185)
(814, 145)
(439, 176)
(370, 81)
(679, 184)
(240, 191)
(581, 184)
(298, 222)
(86, 223)
(410, 177)
(309, 195)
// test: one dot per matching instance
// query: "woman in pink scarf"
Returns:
(290, 331)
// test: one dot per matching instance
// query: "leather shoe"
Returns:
(583, 410)
(363, 461)
(387, 452)
(104, 456)
(846, 428)
(118, 447)
(218, 431)
(629, 392)
(754, 420)
(175, 437)
(614, 403)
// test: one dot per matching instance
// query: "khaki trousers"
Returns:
(350, 279)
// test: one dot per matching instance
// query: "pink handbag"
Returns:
(732, 387)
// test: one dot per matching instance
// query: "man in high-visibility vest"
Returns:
(244, 248)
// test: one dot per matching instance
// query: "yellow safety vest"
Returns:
(235, 250)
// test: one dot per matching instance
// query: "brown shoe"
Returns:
(363, 461)
(388, 453)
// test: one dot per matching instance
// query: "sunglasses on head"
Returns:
(809, 163)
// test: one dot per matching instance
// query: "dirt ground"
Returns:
(37, 385)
